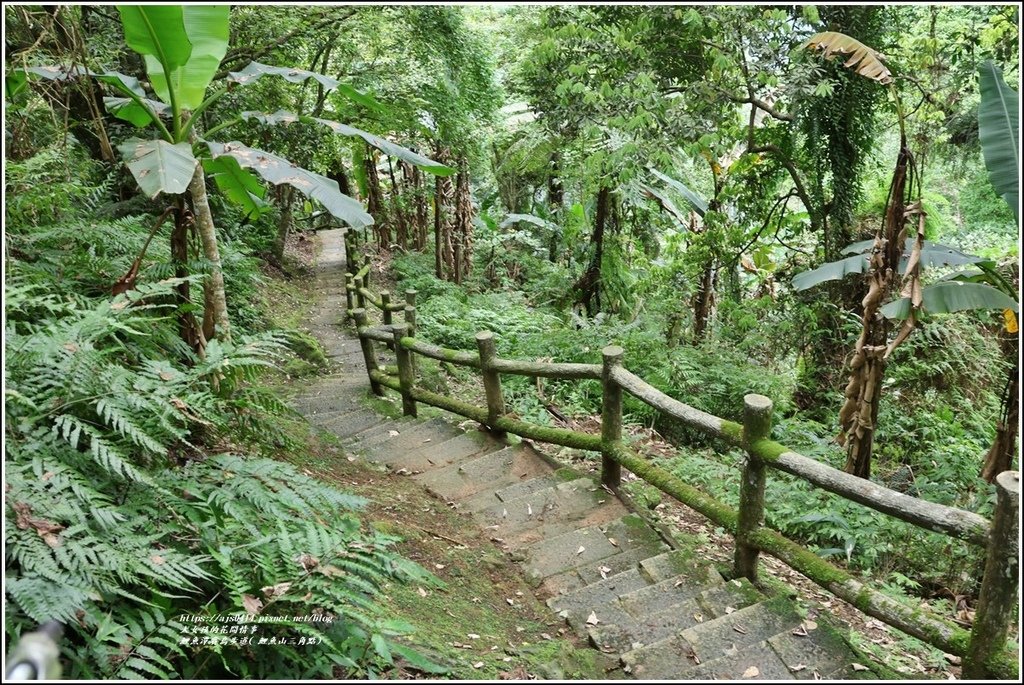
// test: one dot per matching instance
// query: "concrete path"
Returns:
(660, 611)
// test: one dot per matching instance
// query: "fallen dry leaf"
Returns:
(478, 664)
(798, 667)
(751, 672)
(859, 667)
(593, 620)
(472, 636)
(421, 591)
(729, 610)
(581, 550)
(613, 541)
(157, 559)
(277, 590)
(251, 604)
(392, 433)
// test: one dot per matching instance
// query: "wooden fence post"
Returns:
(366, 278)
(369, 356)
(350, 253)
(405, 371)
(492, 379)
(410, 321)
(349, 294)
(360, 298)
(998, 594)
(611, 416)
(757, 425)
(410, 297)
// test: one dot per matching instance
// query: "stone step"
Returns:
(338, 398)
(567, 551)
(491, 498)
(821, 651)
(588, 574)
(605, 591)
(677, 563)
(440, 454)
(383, 428)
(430, 432)
(741, 665)
(669, 657)
(605, 511)
(670, 619)
(365, 440)
(507, 466)
(353, 422)
(654, 598)
(556, 504)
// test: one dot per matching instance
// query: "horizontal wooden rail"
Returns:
(957, 523)
(695, 418)
(532, 431)
(371, 298)
(457, 357)
(548, 369)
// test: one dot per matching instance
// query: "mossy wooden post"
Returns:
(360, 298)
(350, 253)
(410, 298)
(350, 300)
(410, 321)
(611, 417)
(406, 378)
(366, 278)
(492, 379)
(369, 356)
(757, 425)
(998, 594)
(386, 315)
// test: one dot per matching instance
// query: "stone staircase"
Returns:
(661, 611)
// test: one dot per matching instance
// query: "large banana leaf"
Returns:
(238, 185)
(695, 200)
(138, 112)
(952, 296)
(999, 132)
(666, 203)
(280, 171)
(182, 46)
(933, 255)
(254, 70)
(385, 146)
(528, 218)
(158, 166)
(863, 60)
(832, 271)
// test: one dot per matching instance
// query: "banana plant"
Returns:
(182, 47)
(999, 132)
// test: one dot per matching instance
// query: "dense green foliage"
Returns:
(650, 176)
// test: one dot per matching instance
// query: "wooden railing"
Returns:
(984, 649)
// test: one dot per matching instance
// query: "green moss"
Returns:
(733, 432)
(666, 482)
(768, 450)
(566, 475)
(645, 495)
(306, 347)
(799, 558)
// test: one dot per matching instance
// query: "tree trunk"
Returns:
(189, 331)
(588, 287)
(286, 197)
(444, 196)
(463, 256)
(213, 288)
(401, 226)
(555, 199)
(1004, 447)
(374, 202)
(703, 301)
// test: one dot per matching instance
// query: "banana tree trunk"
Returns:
(215, 318)
(1004, 447)
(858, 416)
